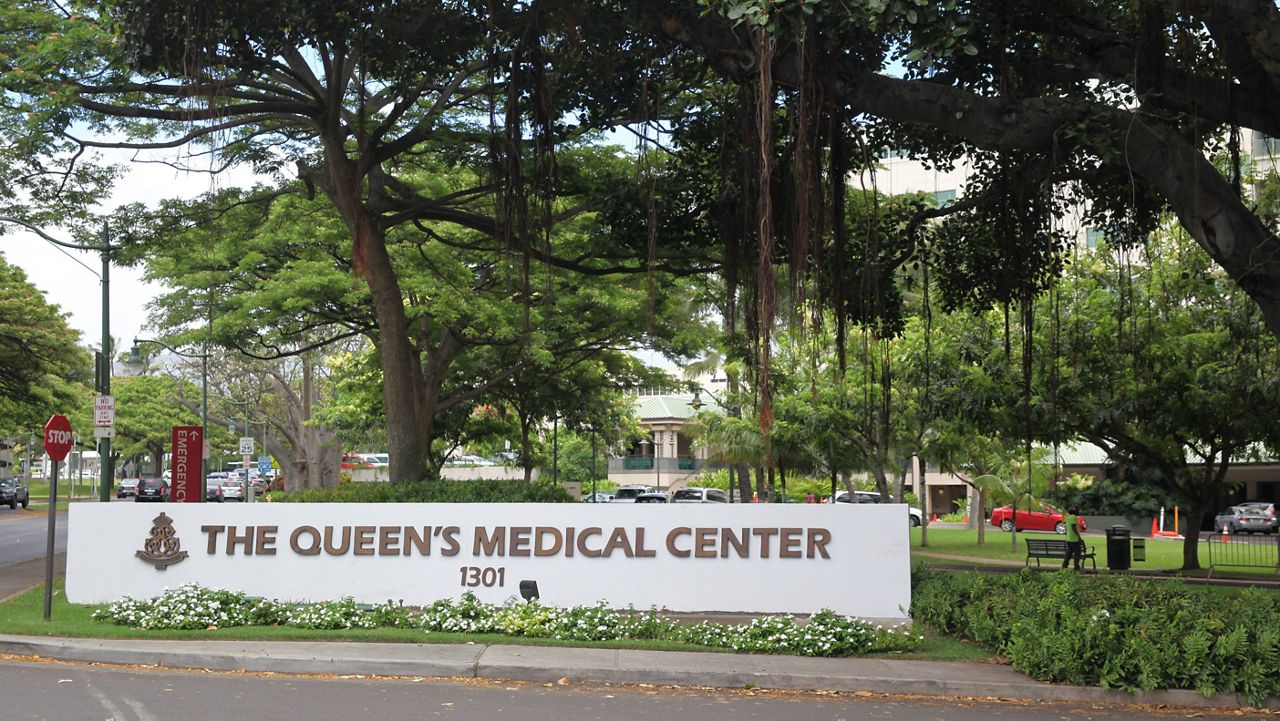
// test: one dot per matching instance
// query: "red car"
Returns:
(351, 461)
(1046, 519)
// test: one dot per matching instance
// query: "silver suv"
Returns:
(629, 493)
(699, 495)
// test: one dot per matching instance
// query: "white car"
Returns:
(377, 460)
(915, 516)
(599, 497)
(629, 493)
(695, 494)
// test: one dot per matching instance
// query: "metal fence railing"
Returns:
(1246, 552)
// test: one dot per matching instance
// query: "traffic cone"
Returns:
(966, 519)
(1226, 534)
(755, 497)
(1154, 527)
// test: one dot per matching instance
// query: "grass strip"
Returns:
(1161, 557)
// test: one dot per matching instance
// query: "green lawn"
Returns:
(39, 489)
(23, 615)
(1162, 556)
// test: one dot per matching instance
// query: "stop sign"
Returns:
(57, 437)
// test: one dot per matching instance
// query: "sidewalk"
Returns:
(589, 665)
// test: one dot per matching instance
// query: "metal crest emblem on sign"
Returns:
(162, 547)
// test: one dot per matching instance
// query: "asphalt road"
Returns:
(22, 535)
(60, 691)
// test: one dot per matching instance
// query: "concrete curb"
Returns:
(591, 665)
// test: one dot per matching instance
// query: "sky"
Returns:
(75, 288)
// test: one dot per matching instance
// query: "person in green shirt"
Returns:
(1075, 546)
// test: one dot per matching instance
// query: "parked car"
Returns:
(598, 497)
(914, 515)
(1268, 509)
(152, 489)
(259, 485)
(14, 492)
(696, 494)
(471, 460)
(1046, 518)
(233, 489)
(1241, 519)
(213, 490)
(351, 461)
(377, 460)
(128, 487)
(653, 497)
(629, 493)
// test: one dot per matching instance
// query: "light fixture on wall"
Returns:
(529, 590)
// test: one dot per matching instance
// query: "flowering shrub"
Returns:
(824, 634)
(188, 607)
(330, 616)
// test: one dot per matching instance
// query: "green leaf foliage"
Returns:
(1113, 631)
(42, 369)
(441, 492)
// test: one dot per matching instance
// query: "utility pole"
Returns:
(105, 461)
(104, 367)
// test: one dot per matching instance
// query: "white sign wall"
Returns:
(798, 558)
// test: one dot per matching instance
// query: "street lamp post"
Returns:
(657, 461)
(135, 359)
(594, 497)
(696, 404)
(644, 446)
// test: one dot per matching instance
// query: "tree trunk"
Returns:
(920, 471)
(744, 483)
(978, 514)
(401, 379)
(1197, 515)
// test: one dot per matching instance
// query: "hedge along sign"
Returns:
(751, 558)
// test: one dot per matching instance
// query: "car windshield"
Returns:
(8, 483)
(152, 483)
(688, 494)
(629, 492)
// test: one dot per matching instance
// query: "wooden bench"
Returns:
(1039, 548)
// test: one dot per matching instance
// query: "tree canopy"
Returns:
(763, 110)
(43, 369)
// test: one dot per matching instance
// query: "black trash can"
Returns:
(1118, 548)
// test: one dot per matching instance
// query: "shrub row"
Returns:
(1113, 631)
(494, 491)
(825, 633)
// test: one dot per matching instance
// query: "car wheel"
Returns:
(1060, 528)
(915, 522)
(13, 505)
(1006, 525)
(26, 501)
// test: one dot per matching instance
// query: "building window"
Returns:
(944, 198)
(1093, 236)
(1265, 146)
